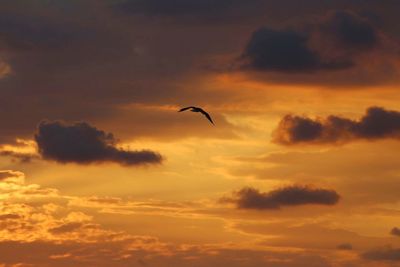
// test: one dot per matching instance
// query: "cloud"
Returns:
(332, 42)
(6, 174)
(290, 232)
(345, 246)
(9, 216)
(251, 198)
(122, 253)
(23, 151)
(22, 157)
(395, 231)
(350, 30)
(84, 144)
(38, 230)
(382, 254)
(285, 51)
(41, 221)
(377, 123)
(66, 228)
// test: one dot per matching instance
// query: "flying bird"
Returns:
(197, 109)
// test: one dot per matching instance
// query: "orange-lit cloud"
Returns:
(37, 224)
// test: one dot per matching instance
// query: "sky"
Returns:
(301, 169)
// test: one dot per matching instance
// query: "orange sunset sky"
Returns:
(302, 166)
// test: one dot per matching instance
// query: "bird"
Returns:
(197, 109)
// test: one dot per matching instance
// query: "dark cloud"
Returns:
(382, 254)
(297, 129)
(251, 198)
(286, 51)
(395, 231)
(377, 123)
(345, 246)
(350, 30)
(84, 144)
(331, 43)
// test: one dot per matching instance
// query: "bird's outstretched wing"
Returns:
(207, 115)
(183, 109)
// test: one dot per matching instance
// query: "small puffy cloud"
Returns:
(377, 123)
(382, 254)
(84, 144)
(395, 231)
(345, 246)
(251, 198)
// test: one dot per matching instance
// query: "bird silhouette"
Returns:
(197, 109)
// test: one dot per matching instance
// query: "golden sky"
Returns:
(301, 169)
